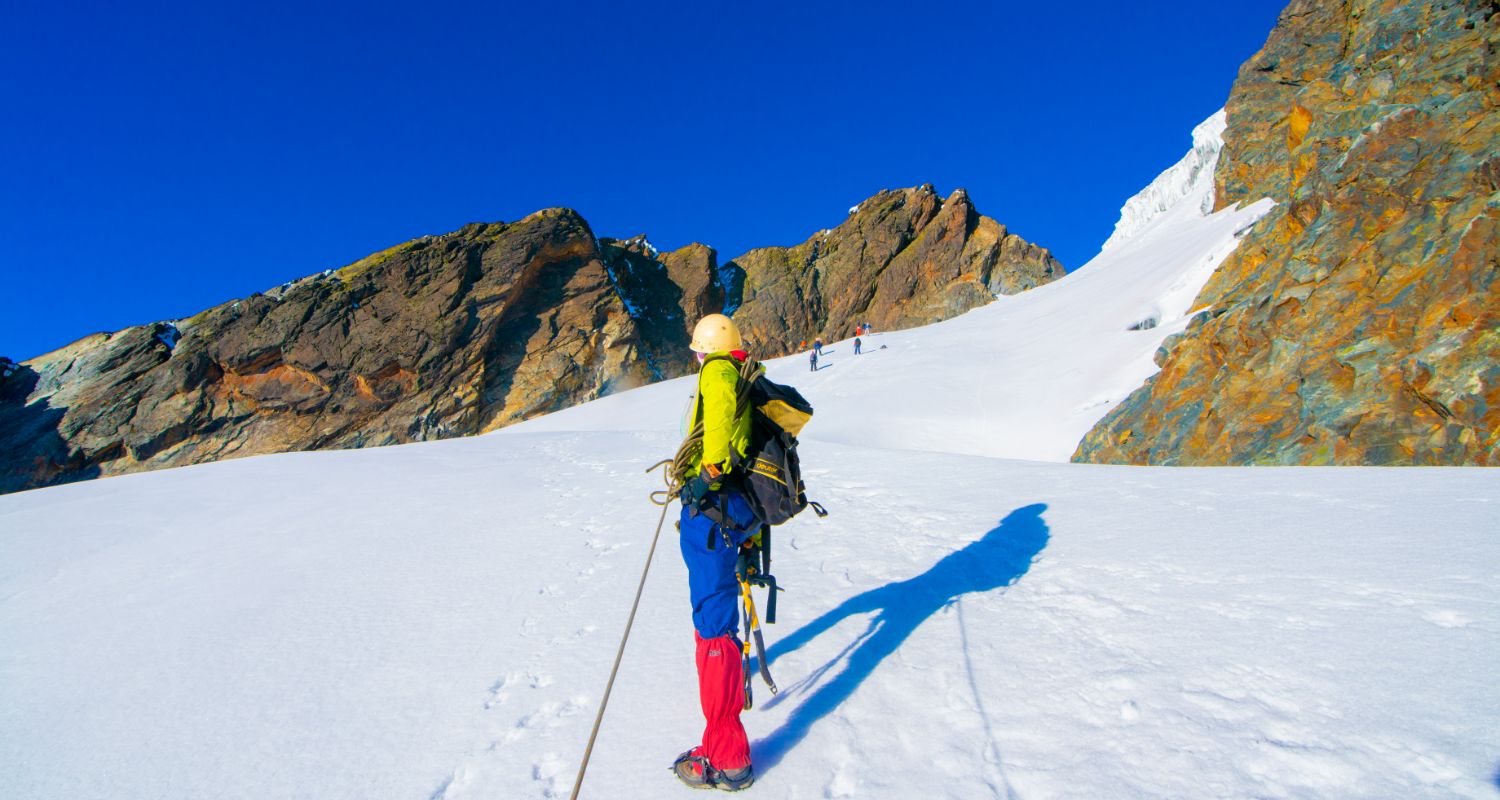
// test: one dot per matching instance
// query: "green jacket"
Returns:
(717, 384)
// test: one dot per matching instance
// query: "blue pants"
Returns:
(711, 582)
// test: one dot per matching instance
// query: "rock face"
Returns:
(1357, 323)
(464, 333)
(664, 295)
(441, 336)
(903, 258)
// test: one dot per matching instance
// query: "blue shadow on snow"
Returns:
(997, 559)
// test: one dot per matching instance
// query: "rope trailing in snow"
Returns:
(620, 654)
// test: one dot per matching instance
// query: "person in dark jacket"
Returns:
(812, 360)
(856, 345)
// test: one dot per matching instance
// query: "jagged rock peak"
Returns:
(903, 257)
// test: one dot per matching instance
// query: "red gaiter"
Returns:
(721, 690)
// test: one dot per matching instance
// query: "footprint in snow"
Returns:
(546, 771)
(500, 691)
(454, 786)
(577, 635)
(547, 718)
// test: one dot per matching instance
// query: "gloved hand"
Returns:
(707, 480)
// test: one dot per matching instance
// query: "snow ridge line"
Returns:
(1179, 181)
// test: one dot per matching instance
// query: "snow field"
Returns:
(421, 621)
(438, 620)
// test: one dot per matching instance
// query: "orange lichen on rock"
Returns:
(1297, 123)
(1369, 296)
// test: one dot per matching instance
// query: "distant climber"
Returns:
(716, 519)
(812, 360)
(856, 345)
(818, 346)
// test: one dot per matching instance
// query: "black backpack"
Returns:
(770, 473)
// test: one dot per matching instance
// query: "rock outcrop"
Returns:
(441, 336)
(903, 258)
(467, 332)
(664, 294)
(1357, 323)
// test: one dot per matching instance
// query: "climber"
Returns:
(856, 345)
(715, 521)
(812, 360)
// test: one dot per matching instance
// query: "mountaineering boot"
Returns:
(733, 780)
(694, 770)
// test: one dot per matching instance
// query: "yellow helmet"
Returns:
(716, 333)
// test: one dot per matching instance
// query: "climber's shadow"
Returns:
(997, 559)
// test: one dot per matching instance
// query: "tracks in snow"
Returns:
(527, 705)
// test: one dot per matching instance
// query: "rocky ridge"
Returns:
(903, 258)
(1359, 322)
(441, 336)
(460, 334)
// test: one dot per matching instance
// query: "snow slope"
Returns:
(438, 620)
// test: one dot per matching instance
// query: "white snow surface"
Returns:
(438, 620)
(1187, 177)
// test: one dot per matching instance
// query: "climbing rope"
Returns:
(676, 467)
(629, 623)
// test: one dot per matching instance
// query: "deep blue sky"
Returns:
(156, 159)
